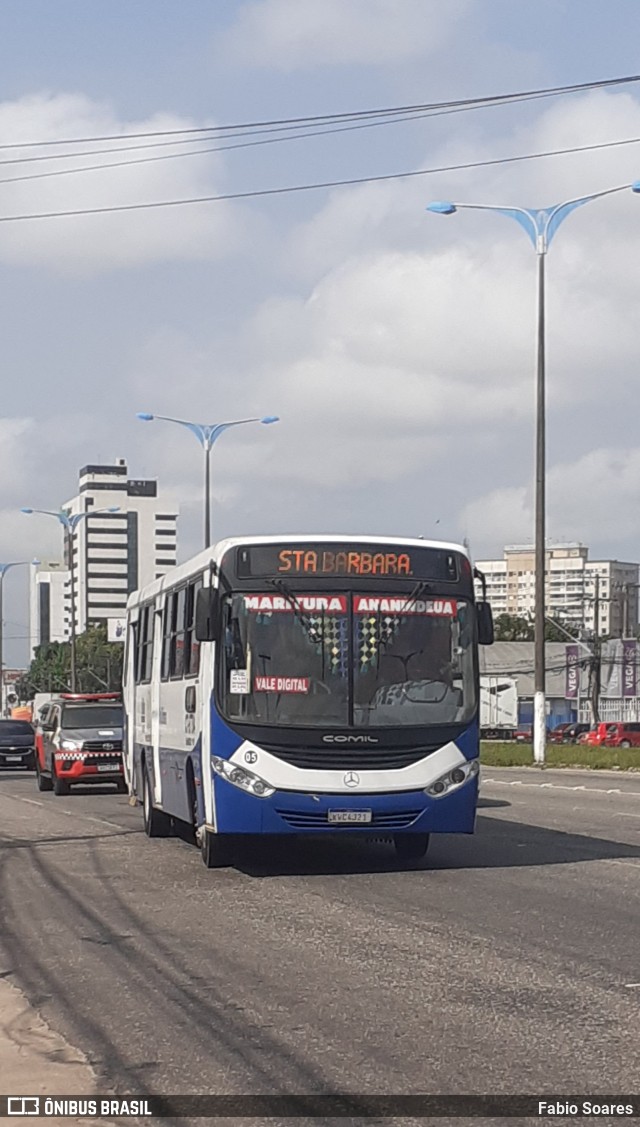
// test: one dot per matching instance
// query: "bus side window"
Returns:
(178, 635)
(168, 619)
(191, 646)
(147, 644)
(133, 634)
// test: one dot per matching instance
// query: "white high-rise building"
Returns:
(49, 604)
(113, 553)
(577, 588)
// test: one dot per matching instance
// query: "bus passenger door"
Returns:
(155, 707)
(208, 654)
(129, 701)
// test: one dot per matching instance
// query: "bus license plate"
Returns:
(107, 766)
(350, 816)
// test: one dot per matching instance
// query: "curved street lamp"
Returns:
(206, 435)
(70, 522)
(4, 568)
(541, 226)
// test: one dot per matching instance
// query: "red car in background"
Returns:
(524, 735)
(557, 735)
(595, 737)
(79, 740)
(622, 735)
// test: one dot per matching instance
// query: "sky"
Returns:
(397, 347)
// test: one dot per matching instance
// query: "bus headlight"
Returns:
(453, 779)
(240, 777)
(71, 745)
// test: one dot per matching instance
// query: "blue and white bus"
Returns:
(307, 685)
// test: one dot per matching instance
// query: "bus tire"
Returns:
(411, 847)
(625, 743)
(43, 781)
(156, 822)
(215, 849)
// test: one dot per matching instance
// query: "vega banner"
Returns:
(629, 667)
(572, 684)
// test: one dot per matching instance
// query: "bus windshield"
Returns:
(347, 660)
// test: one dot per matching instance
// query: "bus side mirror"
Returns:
(207, 621)
(485, 624)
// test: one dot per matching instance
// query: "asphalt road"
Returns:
(508, 962)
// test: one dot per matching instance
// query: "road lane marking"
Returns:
(561, 786)
(68, 813)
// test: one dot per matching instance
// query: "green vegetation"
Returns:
(561, 755)
(518, 628)
(98, 666)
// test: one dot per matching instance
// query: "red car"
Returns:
(525, 735)
(79, 740)
(623, 735)
(557, 735)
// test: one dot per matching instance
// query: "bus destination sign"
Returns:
(336, 560)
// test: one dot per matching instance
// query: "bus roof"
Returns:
(216, 552)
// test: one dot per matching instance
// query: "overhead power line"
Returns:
(294, 188)
(284, 135)
(174, 156)
(460, 105)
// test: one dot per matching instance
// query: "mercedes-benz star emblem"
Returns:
(351, 779)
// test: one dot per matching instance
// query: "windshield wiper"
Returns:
(298, 612)
(419, 590)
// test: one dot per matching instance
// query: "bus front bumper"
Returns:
(291, 812)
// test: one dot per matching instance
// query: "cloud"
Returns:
(409, 357)
(585, 500)
(87, 244)
(298, 34)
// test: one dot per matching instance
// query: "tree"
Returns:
(513, 628)
(98, 666)
(518, 628)
(559, 631)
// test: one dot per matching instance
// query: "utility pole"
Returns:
(596, 669)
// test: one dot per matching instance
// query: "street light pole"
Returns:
(539, 664)
(540, 225)
(207, 494)
(206, 435)
(4, 568)
(70, 523)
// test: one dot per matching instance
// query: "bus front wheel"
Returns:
(411, 847)
(215, 849)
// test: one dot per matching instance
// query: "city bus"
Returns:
(307, 685)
